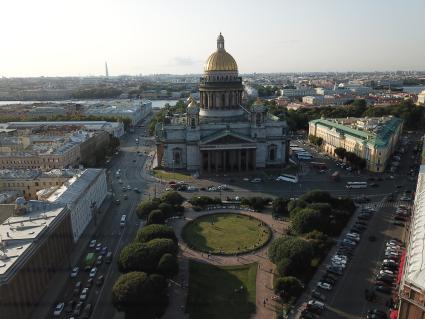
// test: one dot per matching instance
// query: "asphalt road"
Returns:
(109, 232)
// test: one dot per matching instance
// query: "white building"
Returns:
(83, 194)
(421, 98)
(136, 110)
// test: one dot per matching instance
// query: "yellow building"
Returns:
(29, 182)
(373, 139)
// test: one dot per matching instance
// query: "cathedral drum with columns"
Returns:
(219, 134)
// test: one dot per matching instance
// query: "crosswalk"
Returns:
(384, 204)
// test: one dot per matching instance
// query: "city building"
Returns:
(373, 139)
(50, 147)
(412, 285)
(35, 243)
(26, 183)
(297, 92)
(421, 98)
(114, 128)
(136, 110)
(83, 194)
(220, 134)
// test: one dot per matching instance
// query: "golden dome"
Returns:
(220, 60)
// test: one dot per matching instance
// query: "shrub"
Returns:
(288, 287)
(153, 231)
(156, 216)
(160, 246)
(167, 209)
(173, 198)
(168, 265)
(307, 220)
(136, 257)
(146, 206)
(280, 207)
(137, 290)
(316, 196)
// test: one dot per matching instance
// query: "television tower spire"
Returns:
(106, 70)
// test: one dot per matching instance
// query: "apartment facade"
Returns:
(373, 139)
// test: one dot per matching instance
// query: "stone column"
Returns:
(209, 161)
(224, 161)
(216, 159)
(246, 160)
(254, 159)
(239, 160)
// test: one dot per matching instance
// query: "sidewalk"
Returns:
(60, 279)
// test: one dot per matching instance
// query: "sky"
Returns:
(75, 38)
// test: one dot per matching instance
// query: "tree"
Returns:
(154, 231)
(288, 287)
(146, 206)
(307, 220)
(136, 257)
(315, 140)
(159, 246)
(280, 207)
(296, 248)
(173, 198)
(156, 216)
(168, 265)
(135, 291)
(316, 196)
(167, 209)
(340, 152)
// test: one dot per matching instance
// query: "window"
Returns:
(272, 152)
(177, 158)
(258, 119)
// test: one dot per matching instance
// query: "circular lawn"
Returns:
(226, 233)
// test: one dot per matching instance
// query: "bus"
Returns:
(297, 149)
(304, 156)
(318, 165)
(356, 185)
(287, 178)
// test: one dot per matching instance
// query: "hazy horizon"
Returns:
(49, 38)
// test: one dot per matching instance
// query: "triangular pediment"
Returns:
(226, 137)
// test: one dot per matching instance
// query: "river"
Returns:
(155, 103)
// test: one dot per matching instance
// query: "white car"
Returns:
(74, 272)
(98, 246)
(256, 180)
(58, 309)
(93, 272)
(389, 261)
(324, 285)
(84, 294)
(386, 272)
(128, 187)
(92, 243)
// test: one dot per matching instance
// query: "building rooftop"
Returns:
(376, 130)
(20, 233)
(415, 258)
(35, 173)
(71, 190)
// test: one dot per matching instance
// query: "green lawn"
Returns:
(170, 176)
(226, 233)
(212, 291)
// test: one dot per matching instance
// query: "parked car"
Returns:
(98, 246)
(86, 311)
(384, 289)
(99, 280)
(74, 272)
(77, 309)
(317, 295)
(92, 243)
(93, 272)
(324, 285)
(84, 294)
(58, 309)
(99, 260)
(89, 282)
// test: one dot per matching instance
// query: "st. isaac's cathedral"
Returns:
(220, 134)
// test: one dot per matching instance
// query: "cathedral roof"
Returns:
(220, 60)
